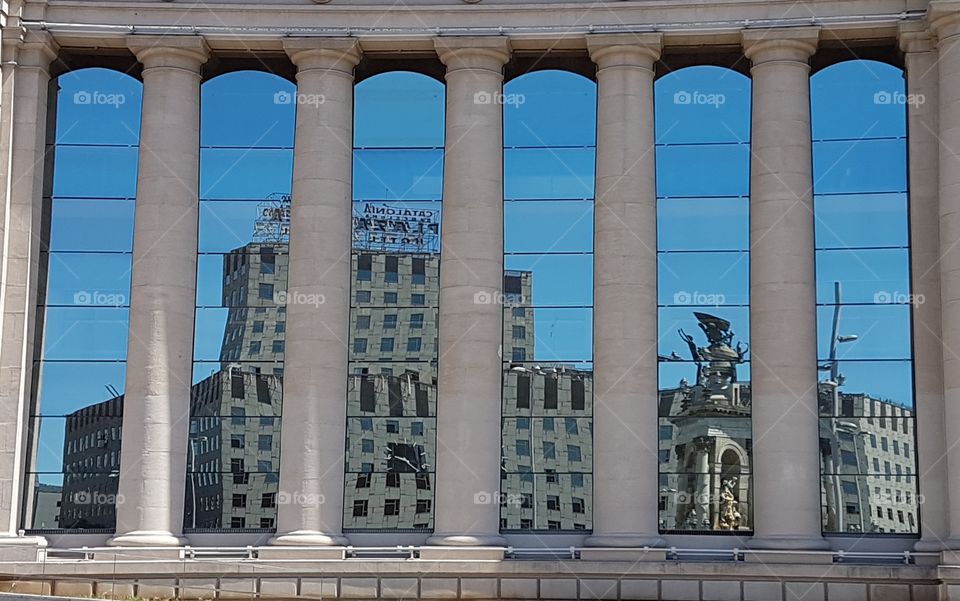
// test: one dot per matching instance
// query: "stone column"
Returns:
(156, 407)
(625, 469)
(26, 62)
(471, 278)
(923, 151)
(318, 307)
(944, 20)
(783, 319)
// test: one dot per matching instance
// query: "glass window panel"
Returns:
(227, 226)
(88, 279)
(550, 108)
(882, 331)
(401, 445)
(546, 502)
(215, 289)
(85, 333)
(388, 501)
(697, 503)
(674, 319)
(249, 109)
(69, 386)
(92, 225)
(548, 448)
(98, 106)
(866, 276)
(703, 170)
(79, 443)
(230, 499)
(531, 227)
(95, 172)
(397, 389)
(704, 279)
(861, 220)
(891, 381)
(563, 334)
(556, 280)
(847, 444)
(71, 501)
(702, 104)
(548, 173)
(399, 109)
(869, 505)
(397, 174)
(525, 392)
(859, 166)
(703, 224)
(858, 99)
(244, 173)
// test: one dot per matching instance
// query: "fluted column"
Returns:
(625, 465)
(26, 63)
(783, 319)
(945, 24)
(471, 278)
(156, 405)
(922, 73)
(315, 362)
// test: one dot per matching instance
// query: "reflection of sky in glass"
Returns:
(859, 159)
(549, 155)
(703, 186)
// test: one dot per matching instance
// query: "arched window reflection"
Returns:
(865, 358)
(549, 126)
(84, 302)
(392, 386)
(246, 168)
(703, 186)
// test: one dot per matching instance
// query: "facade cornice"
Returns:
(243, 26)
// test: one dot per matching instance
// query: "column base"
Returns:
(789, 543)
(636, 541)
(466, 540)
(930, 545)
(950, 555)
(148, 538)
(21, 548)
(309, 538)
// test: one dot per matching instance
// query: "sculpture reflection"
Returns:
(705, 435)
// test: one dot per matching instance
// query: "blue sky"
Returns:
(703, 121)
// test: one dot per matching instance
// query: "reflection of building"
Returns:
(547, 442)
(705, 437)
(91, 464)
(866, 436)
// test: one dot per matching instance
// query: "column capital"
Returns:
(35, 49)
(485, 53)
(913, 37)
(325, 54)
(786, 44)
(944, 18)
(181, 52)
(625, 49)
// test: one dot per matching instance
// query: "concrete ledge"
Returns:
(794, 557)
(463, 553)
(645, 554)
